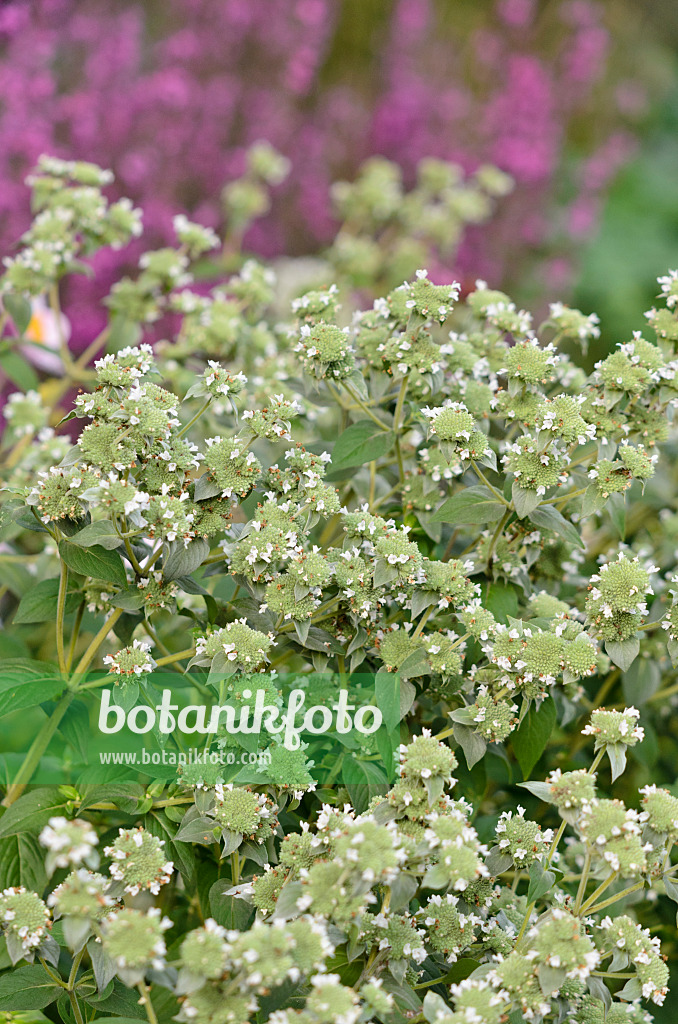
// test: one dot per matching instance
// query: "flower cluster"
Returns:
(332, 550)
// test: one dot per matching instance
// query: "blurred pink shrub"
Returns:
(169, 95)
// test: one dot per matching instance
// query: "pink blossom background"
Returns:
(170, 94)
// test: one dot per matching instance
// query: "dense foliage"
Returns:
(427, 492)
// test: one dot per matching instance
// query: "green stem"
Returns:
(37, 749)
(74, 968)
(52, 974)
(601, 889)
(85, 357)
(146, 1002)
(179, 656)
(96, 643)
(422, 623)
(61, 609)
(75, 634)
(368, 412)
(75, 1006)
(132, 557)
(197, 416)
(495, 536)
(399, 404)
(481, 475)
(618, 896)
(582, 882)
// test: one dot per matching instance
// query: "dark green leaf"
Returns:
(524, 500)
(125, 795)
(360, 443)
(532, 735)
(31, 811)
(40, 603)
(551, 519)
(22, 862)
(541, 882)
(96, 562)
(394, 697)
(472, 505)
(229, 911)
(182, 561)
(102, 533)
(27, 988)
(25, 684)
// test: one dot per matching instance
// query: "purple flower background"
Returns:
(170, 94)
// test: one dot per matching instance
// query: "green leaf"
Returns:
(125, 795)
(40, 603)
(541, 882)
(199, 830)
(183, 560)
(623, 652)
(524, 501)
(532, 735)
(360, 443)
(31, 811)
(96, 562)
(27, 988)
(641, 682)
(394, 697)
(502, 601)
(551, 519)
(19, 308)
(472, 505)
(129, 599)
(473, 745)
(102, 533)
(25, 684)
(616, 505)
(19, 371)
(229, 911)
(22, 862)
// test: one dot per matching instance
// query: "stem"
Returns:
(180, 656)
(56, 309)
(132, 557)
(235, 868)
(96, 643)
(61, 608)
(74, 968)
(368, 412)
(495, 537)
(554, 846)
(399, 404)
(196, 417)
(582, 882)
(498, 496)
(421, 623)
(75, 1006)
(601, 889)
(37, 749)
(619, 896)
(57, 979)
(75, 634)
(146, 1002)
(84, 357)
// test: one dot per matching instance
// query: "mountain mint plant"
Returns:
(241, 498)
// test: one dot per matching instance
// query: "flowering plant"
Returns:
(430, 492)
